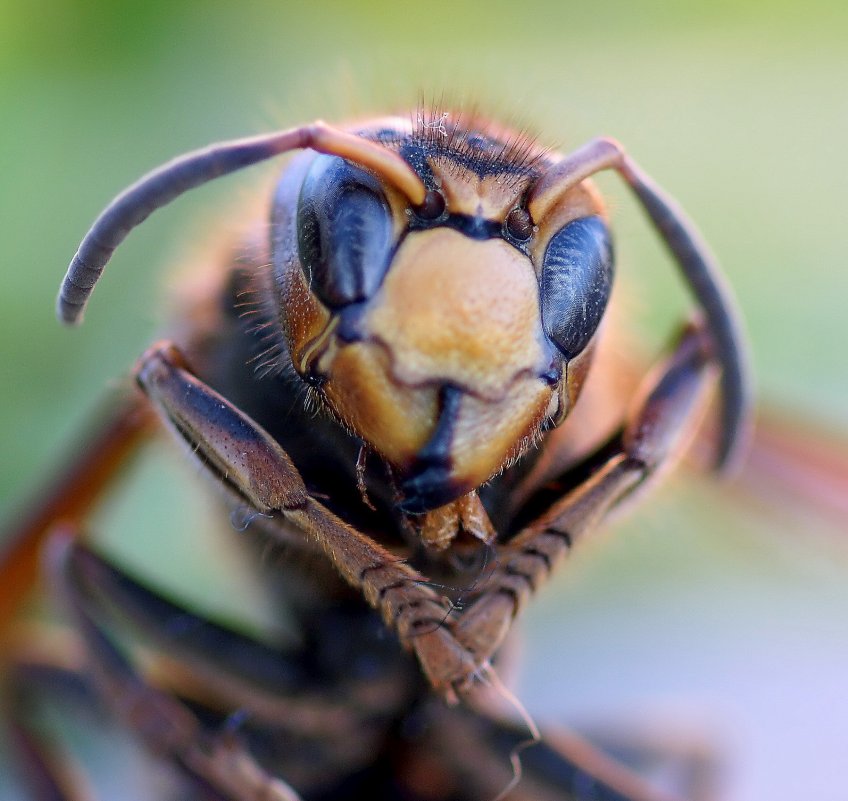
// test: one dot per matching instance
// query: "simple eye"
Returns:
(519, 224)
(344, 231)
(433, 206)
(575, 285)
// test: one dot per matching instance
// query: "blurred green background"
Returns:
(699, 611)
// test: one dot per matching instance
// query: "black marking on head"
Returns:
(453, 151)
(429, 484)
(576, 282)
(463, 139)
(387, 136)
(471, 226)
(437, 449)
(416, 156)
(428, 490)
(457, 141)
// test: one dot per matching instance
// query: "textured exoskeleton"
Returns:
(387, 376)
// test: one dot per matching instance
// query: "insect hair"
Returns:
(465, 138)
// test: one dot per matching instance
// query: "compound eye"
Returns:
(575, 284)
(344, 231)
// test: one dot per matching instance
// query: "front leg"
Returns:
(253, 469)
(662, 415)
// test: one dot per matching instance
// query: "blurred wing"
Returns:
(797, 468)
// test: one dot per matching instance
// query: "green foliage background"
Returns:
(732, 615)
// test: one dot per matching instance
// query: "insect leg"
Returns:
(478, 748)
(70, 495)
(253, 469)
(309, 717)
(651, 435)
(271, 685)
(166, 725)
(46, 673)
(685, 760)
(48, 774)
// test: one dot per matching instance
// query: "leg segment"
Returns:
(283, 689)
(166, 725)
(478, 749)
(685, 761)
(650, 437)
(49, 776)
(254, 469)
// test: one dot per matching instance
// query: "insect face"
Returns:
(441, 287)
(439, 334)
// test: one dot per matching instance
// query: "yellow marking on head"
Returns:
(460, 311)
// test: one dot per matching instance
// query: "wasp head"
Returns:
(445, 335)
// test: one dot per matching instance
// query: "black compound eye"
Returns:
(344, 231)
(576, 282)
(519, 224)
